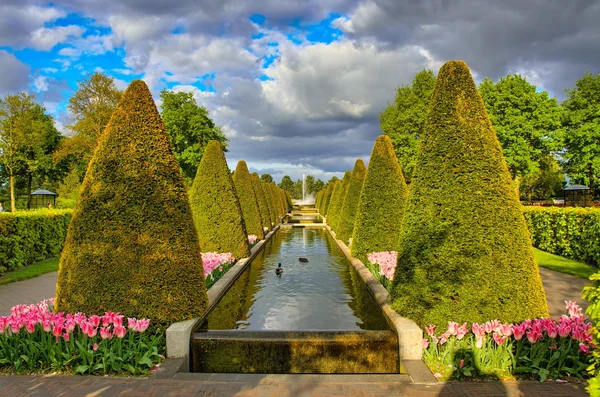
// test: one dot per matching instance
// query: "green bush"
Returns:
(348, 214)
(335, 208)
(248, 201)
(465, 253)
(27, 237)
(265, 214)
(319, 199)
(276, 199)
(327, 198)
(266, 188)
(570, 232)
(131, 245)
(381, 205)
(216, 207)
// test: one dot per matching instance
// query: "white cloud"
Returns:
(46, 38)
(69, 52)
(17, 22)
(41, 83)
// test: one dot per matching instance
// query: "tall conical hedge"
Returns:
(327, 198)
(265, 215)
(216, 207)
(336, 205)
(248, 202)
(131, 245)
(381, 205)
(348, 213)
(269, 197)
(318, 199)
(276, 201)
(465, 252)
(335, 192)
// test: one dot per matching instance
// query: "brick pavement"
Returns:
(271, 386)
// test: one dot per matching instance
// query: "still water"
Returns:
(325, 293)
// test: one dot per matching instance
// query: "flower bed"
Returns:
(540, 348)
(252, 240)
(215, 266)
(383, 266)
(34, 338)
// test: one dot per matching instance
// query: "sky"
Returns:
(296, 85)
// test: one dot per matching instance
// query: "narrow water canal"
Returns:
(325, 293)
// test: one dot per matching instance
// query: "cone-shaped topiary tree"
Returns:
(327, 198)
(248, 202)
(265, 215)
(465, 252)
(348, 213)
(336, 206)
(337, 185)
(216, 207)
(276, 201)
(269, 197)
(131, 245)
(318, 200)
(381, 205)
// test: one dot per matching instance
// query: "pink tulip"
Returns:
(533, 336)
(499, 339)
(94, 320)
(105, 333)
(551, 330)
(57, 330)
(47, 326)
(92, 331)
(142, 325)
(518, 331)
(66, 337)
(430, 330)
(131, 323)
(444, 337)
(583, 348)
(95, 347)
(425, 344)
(120, 331)
(478, 330)
(461, 364)
(452, 328)
(564, 330)
(117, 319)
(479, 342)
(573, 309)
(70, 326)
(506, 329)
(462, 331)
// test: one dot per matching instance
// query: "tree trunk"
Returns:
(29, 182)
(13, 205)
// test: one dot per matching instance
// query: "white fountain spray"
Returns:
(303, 188)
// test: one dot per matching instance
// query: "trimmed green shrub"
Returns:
(319, 199)
(216, 207)
(570, 232)
(381, 205)
(265, 215)
(269, 197)
(131, 246)
(327, 198)
(335, 208)
(276, 201)
(337, 186)
(248, 202)
(348, 213)
(31, 236)
(465, 253)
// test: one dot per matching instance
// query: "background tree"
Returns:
(266, 178)
(403, 120)
(318, 185)
(582, 131)
(190, 129)
(287, 184)
(91, 107)
(527, 122)
(27, 138)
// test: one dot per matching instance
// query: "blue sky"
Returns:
(298, 85)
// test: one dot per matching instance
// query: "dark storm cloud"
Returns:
(15, 74)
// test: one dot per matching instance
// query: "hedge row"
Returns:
(570, 232)
(29, 237)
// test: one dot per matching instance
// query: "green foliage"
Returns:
(131, 246)
(190, 128)
(464, 253)
(216, 207)
(582, 131)
(248, 201)
(381, 205)
(263, 206)
(570, 232)
(563, 265)
(591, 293)
(527, 123)
(327, 198)
(546, 183)
(31, 236)
(287, 183)
(68, 190)
(266, 178)
(403, 121)
(348, 213)
(269, 199)
(335, 208)
(337, 186)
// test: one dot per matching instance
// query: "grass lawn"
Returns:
(563, 265)
(24, 273)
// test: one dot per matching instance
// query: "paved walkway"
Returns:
(272, 386)
(26, 292)
(562, 287)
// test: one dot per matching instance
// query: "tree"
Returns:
(263, 206)
(297, 192)
(248, 201)
(335, 208)
(464, 251)
(333, 179)
(266, 178)
(582, 131)
(27, 139)
(131, 246)
(527, 123)
(190, 129)
(90, 107)
(547, 183)
(287, 183)
(327, 198)
(269, 199)
(403, 121)
(348, 212)
(216, 207)
(381, 205)
(318, 185)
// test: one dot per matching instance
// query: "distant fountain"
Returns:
(307, 198)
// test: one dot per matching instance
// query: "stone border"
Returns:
(410, 336)
(178, 334)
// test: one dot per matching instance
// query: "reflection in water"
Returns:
(324, 293)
